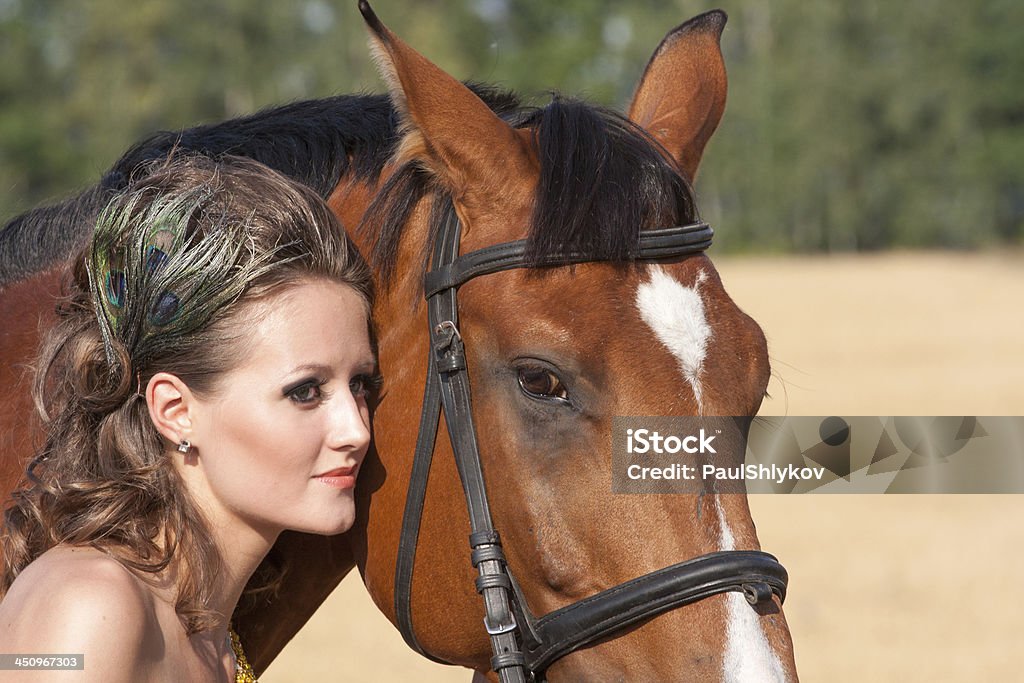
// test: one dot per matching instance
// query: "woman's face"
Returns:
(279, 444)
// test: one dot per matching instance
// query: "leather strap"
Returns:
(758, 575)
(413, 514)
(449, 387)
(486, 553)
(653, 244)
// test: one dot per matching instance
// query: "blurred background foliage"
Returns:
(850, 125)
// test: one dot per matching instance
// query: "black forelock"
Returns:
(603, 179)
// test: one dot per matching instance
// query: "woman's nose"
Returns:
(350, 425)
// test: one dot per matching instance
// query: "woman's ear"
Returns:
(170, 405)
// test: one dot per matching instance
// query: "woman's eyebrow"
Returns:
(368, 365)
(314, 367)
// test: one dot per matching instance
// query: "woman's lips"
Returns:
(340, 478)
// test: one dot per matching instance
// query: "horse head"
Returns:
(554, 352)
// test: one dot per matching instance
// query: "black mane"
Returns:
(602, 180)
(314, 142)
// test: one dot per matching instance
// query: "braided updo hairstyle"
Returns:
(163, 286)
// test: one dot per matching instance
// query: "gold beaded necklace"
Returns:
(243, 671)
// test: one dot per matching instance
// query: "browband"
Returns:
(654, 244)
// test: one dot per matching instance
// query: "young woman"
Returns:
(205, 388)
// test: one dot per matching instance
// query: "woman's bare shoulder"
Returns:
(77, 575)
(79, 601)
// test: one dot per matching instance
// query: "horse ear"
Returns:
(681, 96)
(446, 126)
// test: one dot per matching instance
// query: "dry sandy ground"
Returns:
(883, 588)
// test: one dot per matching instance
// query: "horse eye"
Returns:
(542, 384)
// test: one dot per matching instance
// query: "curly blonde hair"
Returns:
(163, 286)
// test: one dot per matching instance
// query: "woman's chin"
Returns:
(336, 524)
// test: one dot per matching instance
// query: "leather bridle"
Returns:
(524, 645)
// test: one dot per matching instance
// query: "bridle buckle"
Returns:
(505, 628)
(448, 329)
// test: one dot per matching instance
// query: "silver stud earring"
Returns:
(185, 446)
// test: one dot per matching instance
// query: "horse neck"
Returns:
(27, 309)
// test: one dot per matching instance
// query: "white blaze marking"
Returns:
(676, 314)
(748, 655)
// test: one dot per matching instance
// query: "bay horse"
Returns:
(553, 351)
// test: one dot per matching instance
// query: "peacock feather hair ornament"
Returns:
(155, 275)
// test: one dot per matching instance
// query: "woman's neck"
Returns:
(241, 548)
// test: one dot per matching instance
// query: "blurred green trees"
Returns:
(850, 125)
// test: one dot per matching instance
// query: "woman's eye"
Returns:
(362, 385)
(543, 384)
(310, 392)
